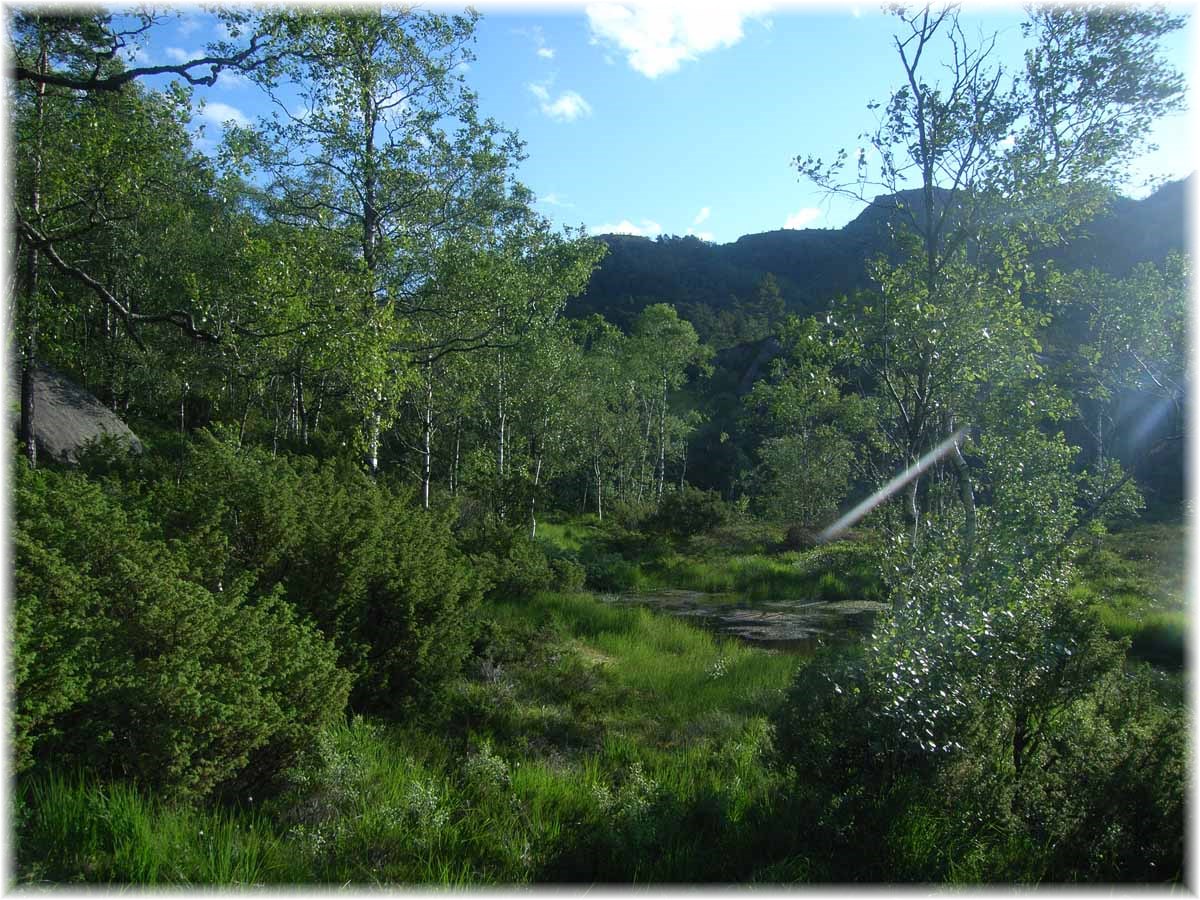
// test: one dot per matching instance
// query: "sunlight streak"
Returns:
(891, 487)
(1160, 408)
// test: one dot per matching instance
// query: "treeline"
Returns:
(363, 275)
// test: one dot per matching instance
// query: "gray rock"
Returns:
(66, 417)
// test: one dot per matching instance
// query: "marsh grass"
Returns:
(70, 829)
(608, 743)
(837, 572)
(735, 558)
(1134, 580)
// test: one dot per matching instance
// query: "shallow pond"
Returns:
(793, 625)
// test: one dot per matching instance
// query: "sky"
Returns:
(676, 118)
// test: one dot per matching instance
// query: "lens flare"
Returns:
(889, 489)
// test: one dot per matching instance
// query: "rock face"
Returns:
(66, 417)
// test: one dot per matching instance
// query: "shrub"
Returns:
(382, 578)
(157, 678)
(605, 571)
(508, 560)
(688, 512)
(800, 537)
(569, 575)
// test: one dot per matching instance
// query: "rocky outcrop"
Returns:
(67, 417)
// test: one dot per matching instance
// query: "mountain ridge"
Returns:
(812, 266)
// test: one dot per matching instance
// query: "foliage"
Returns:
(688, 512)
(382, 579)
(817, 437)
(508, 560)
(129, 667)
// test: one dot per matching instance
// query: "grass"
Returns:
(731, 560)
(596, 743)
(1134, 580)
(74, 830)
(588, 742)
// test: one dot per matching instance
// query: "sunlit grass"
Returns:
(613, 744)
(76, 830)
(1134, 581)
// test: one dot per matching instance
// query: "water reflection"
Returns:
(796, 626)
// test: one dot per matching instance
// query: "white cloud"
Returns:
(220, 113)
(187, 24)
(231, 78)
(803, 217)
(555, 199)
(703, 235)
(702, 215)
(538, 37)
(657, 38)
(566, 107)
(648, 228)
(179, 54)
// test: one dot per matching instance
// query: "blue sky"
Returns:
(678, 118)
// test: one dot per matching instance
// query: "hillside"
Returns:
(814, 265)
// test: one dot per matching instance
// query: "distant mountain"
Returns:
(813, 266)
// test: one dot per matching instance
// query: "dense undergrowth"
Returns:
(439, 700)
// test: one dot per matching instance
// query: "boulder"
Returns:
(66, 417)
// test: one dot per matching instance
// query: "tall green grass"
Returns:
(839, 572)
(610, 744)
(1133, 579)
(70, 829)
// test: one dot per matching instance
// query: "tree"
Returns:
(811, 427)
(1002, 164)
(1120, 348)
(97, 156)
(93, 174)
(662, 348)
(387, 152)
(88, 50)
(983, 661)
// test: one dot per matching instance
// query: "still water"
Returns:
(798, 626)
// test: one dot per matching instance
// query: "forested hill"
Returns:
(710, 283)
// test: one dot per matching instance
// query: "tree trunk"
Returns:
(427, 436)
(454, 464)
(967, 494)
(537, 474)
(29, 345)
(914, 509)
(375, 426)
(662, 442)
(599, 490)
(501, 416)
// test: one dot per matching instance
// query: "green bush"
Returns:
(605, 571)
(382, 578)
(569, 575)
(507, 559)
(688, 512)
(126, 666)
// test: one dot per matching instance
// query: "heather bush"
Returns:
(126, 666)
(687, 512)
(381, 578)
